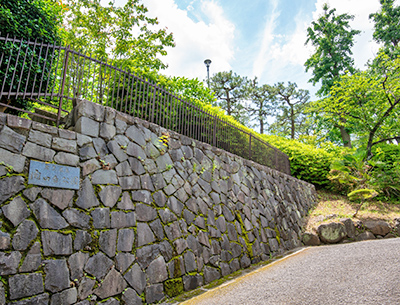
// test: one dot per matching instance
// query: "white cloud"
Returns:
(195, 40)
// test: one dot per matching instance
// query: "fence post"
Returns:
(67, 51)
(154, 104)
(215, 132)
(250, 146)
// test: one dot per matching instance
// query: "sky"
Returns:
(262, 38)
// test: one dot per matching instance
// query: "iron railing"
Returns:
(54, 75)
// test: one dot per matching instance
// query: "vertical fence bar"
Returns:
(67, 50)
(15, 70)
(153, 104)
(214, 136)
(250, 135)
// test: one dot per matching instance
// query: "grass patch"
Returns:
(331, 207)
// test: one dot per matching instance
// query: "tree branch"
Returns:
(384, 140)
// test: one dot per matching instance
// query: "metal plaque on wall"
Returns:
(53, 175)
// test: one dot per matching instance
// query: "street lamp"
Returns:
(207, 62)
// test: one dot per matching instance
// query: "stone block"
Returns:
(66, 159)
(145, 235)
(9, 262)
(123, 261)
(144, 212)
(90, 166)
(124, 169)
(154, 293)
(76, 218)
(56, 243)
(11, 140)
(98, 265)
(159, 199)
(87, 152)
(87, 127)
(16, 211)
(67, 134)
(82, 139)
(60, 198)
(113, 284)
(136, 278)
(109, 195)
(136, 166)
(123, 220)
(82, 240)
(107, 242)
(129, 183)
(25, 233)
(48, 217)
(121, 126)
(35, 151)
(157, 271)
(130, 297)
(77, 262)
(90, 110)
(107, 131)
(45, 128)
(15, 160)
(57, 275)
(4, 241)
(136, 135)
(25, 285)
(101, 218)
(33, 259)
(104, 177)
(191, 282)
(126, 238)
(9, 186)
(86, 196)
(331, 233)
(66, 297)
(32, 193)
(41, 299)
(211, 274)
(379, 227)
(157, 228)
(126, 202)
(117, 150)
(61, 144)
(136, 151)
(85, 288)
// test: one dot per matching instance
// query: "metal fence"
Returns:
(53, 75)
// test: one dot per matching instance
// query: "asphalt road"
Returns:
(363, 273)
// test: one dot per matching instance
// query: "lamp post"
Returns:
(207, 62)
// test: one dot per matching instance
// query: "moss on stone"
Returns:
(173, 287)
(278, 235)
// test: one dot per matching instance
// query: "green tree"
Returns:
(25, 19)
(231, 91)
(263, 100)
(387, 25)
(370, 101)
(119, 34)
(292, 107)
(333, 38)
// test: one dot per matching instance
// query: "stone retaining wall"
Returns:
(149, 220)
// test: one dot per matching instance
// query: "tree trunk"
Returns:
(345, 137)
(261, 126)
(292, 122)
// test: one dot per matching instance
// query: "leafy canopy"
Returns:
(333, 39)
(124, 35)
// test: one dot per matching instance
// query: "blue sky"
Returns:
(263, 38)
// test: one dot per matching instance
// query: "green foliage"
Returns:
(307, 162)
(173, 287)
(24, 19)
(231, 91)
(369, 102)
(293, 103)
(387, 25)
(119, 34)
(333, 39)
(264, 102)
(351, 173)
(386, 170)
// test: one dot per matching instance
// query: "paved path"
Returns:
(363, 273)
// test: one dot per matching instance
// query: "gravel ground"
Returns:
(357, 273)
